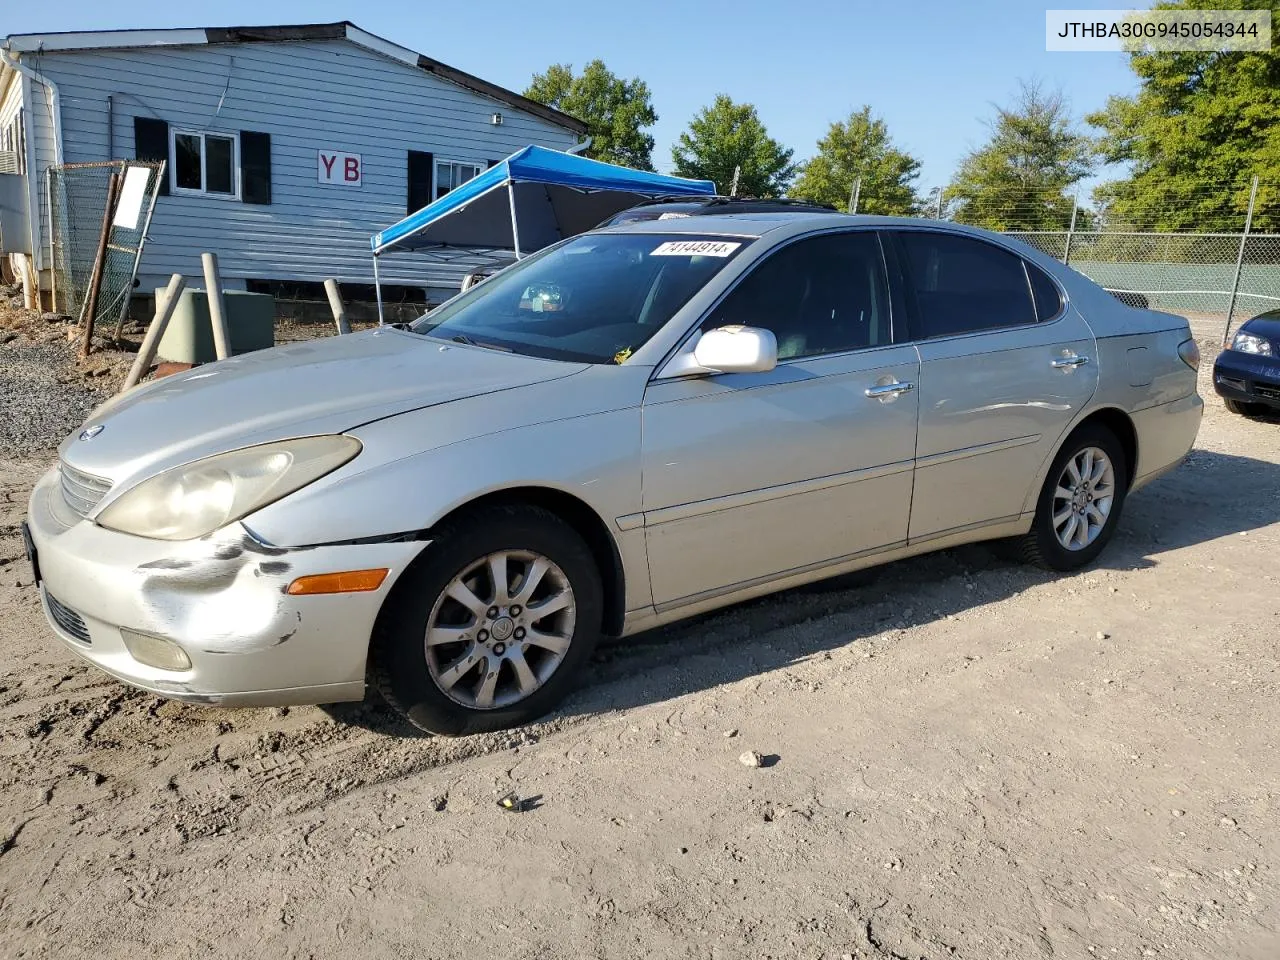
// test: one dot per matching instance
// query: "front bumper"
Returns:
(222, 599)
(1248, 378)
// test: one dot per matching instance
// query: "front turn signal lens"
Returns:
(348, 581)
(1189, 351)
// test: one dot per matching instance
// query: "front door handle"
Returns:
(882, 391)
(1069, 362)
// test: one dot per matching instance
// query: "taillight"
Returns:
(1190, 354)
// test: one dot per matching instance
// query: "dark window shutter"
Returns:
(421, 176)
(255, 167)
(151, 142)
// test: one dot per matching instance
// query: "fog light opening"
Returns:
(347, 581)
(155, 651)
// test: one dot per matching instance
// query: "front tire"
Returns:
(487, 630)
(1244, 408)
(1080, 502)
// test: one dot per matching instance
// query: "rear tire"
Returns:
(492, 659)
(1069, 531)
(1244, 408)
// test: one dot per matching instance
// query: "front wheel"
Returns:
(1244, 408)
(1080, 502)
(489, 628)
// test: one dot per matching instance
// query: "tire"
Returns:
(1041, 546)
(1244, 408)
(441, 687)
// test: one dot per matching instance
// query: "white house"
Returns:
(287, 146)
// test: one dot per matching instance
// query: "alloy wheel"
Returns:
(1083, 498)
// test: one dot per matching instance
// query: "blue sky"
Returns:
(930, 68)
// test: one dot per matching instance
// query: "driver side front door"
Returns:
(751, 477)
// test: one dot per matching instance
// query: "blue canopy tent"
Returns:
(530, 200)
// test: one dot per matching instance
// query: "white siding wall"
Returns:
(308, 95)
(33, 95)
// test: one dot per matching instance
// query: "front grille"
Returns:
(67, 620)
(1271, 393)
(82, 491)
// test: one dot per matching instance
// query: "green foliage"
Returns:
(726, 135)
(615, 111)
(860, 148)
(1201, 126)
(1022, 178)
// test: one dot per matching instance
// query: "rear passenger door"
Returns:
(1005, 366)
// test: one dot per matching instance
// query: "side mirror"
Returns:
(737, 349)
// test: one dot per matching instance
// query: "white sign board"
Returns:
(132, 194)
(343, 169)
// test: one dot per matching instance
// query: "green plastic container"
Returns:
(251, 325)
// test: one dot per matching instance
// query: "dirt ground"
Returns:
(966, 758)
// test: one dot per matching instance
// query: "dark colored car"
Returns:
(668, 208)
(1247, 374)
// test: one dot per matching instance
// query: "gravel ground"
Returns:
(961, 758)
(40, 402)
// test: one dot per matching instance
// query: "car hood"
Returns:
(1264, 325)
(322, 386)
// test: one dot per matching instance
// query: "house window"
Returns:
(450, 174)
(205, 163)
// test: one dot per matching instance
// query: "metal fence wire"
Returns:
(77, 204)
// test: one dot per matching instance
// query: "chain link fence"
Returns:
(1221, 270)
(78, 194)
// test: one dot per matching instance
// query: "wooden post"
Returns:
(335, 304)
(99, 261)
(217, 309)
(164, 310)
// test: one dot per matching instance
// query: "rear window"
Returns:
(962, 285)
(596, 298)
(1045, 292)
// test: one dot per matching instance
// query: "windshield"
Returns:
(595, 299)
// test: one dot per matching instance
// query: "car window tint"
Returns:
(1048, 300)
(822, 295)
(961, 284)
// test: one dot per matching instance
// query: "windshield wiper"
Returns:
(463, 338)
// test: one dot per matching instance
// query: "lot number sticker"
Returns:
(696, 248)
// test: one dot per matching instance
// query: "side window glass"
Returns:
(822, 295)
(962, 285)
(1048, 300)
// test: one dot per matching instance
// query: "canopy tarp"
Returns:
(532, 199)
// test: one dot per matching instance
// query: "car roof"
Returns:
(757, 224)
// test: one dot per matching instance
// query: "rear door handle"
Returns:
(882, 391)
(1069, 363)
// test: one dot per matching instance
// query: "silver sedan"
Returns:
(629, 428)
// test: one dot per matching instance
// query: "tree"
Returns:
(860, 149)
(1023, 178)
(1201, 126)
(728, 135)
(615, 111)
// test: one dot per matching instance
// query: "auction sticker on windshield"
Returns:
(695, 248)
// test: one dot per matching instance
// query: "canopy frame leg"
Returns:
(515, 225)
(377, 289)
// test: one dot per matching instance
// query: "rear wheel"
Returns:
(488, 630)
(1244, 408)
(1080, 502)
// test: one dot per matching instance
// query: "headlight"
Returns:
(1248, 343)
(197, 498)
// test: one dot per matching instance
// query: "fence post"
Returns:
(53, 260)
(855, 194)
(99, 262)
(217, 309)
(335, 304)
(1071, 229)
(1235, 283)
(733, 187)
(147, 352)
(939, 213)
